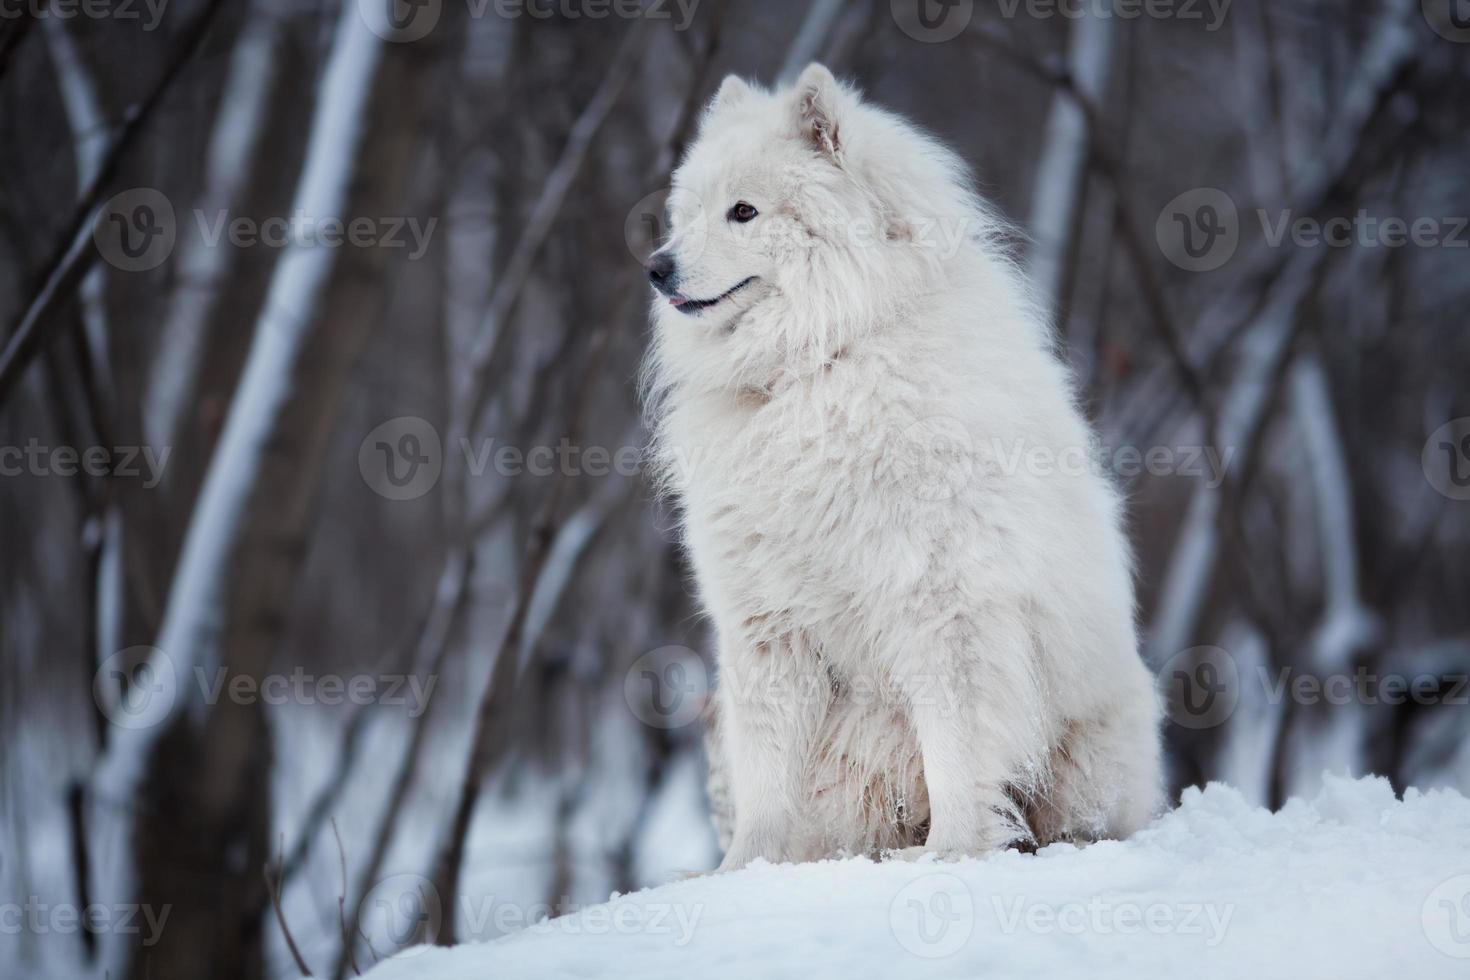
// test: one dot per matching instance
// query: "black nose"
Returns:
(661, 271)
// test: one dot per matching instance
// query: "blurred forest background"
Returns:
(324, 543)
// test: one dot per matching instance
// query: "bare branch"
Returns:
(347, 943)
(11, 37)
(76, 254)
(274, 887)
(492, 344)
(1105, 159)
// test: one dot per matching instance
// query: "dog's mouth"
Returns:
(684, 304)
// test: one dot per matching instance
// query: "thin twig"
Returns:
(451, 597)
(493, 716)
(347, 943)
(275, 892)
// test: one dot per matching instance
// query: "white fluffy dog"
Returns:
(922, 594)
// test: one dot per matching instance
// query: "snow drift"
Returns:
(1355, 883)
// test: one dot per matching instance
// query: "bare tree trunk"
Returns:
(1330, 740)
(1267, 342)
(1057, 196)
(203, 310)
(101, 515)
(75, 254)
(206, 789)
(816, 29)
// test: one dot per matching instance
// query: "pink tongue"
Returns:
(677, 300)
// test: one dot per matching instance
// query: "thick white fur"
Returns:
(925, 631)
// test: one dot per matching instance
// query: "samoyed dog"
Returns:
(921, 593)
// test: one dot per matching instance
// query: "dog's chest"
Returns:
(784, 509)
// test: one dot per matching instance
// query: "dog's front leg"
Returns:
(773, 696)
(976, 712)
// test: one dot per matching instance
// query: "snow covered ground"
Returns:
(1353, 884)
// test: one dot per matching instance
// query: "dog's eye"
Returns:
(742, 212)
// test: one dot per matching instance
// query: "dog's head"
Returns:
(799, 218)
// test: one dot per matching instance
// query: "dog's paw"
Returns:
(764, 843)
(738, 861)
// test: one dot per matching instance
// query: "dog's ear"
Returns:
(733, 91)
(818, 100)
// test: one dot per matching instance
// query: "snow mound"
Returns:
(1355, 883)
